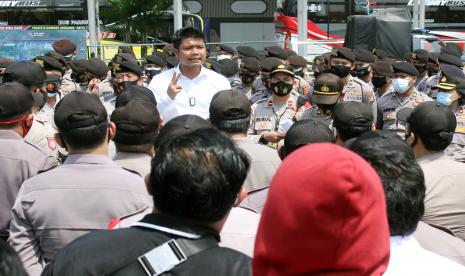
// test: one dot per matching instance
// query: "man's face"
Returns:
(126, 76)
(341, 62)
(191, 52)
(53, 81)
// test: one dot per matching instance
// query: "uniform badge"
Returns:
(269, 103)
(317, 62)
(40, 62)
(325, 88)
(117, 67)
(414, 56)
(52, 144)
(444, 79)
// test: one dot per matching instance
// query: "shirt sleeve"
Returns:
(22, 237)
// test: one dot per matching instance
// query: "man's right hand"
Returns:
(272, 136)
(174, 88)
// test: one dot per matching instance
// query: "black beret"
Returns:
(276, 51)
(297, 61)
(268, 64)
(451, 74)
(135, 93)
(250, 64)
(363, 55)
(451, 50)
(97, 67)
(157, 59)
(79, 66)
(49, 63)
(450, 59)
(228, 49)
(291, 53)
(127, 66)
(343, 52)
(405, 67)
(59, 57)
(172, 61)
(226, 67)
(126, 50)
(15, 102)
(247, 51)
(78, 110)
(420, 55)
(433, 57)
(137, 123)
(25, 72)
(123, 57)
(382, 68)
(380, 53)
(64, 46)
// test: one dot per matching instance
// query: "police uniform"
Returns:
(430, 83)
(42, 135)
(357, 90)
(377, 92)
(103, 90)
(421, 84)
(68, 85)
(301, 86)
(390, 104)
(266, 116)
(456, 150)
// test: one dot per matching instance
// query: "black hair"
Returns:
(85, 137)
(10, 264)
(232, 126)
(435, 142)
(139, 148)
(198, 175)
(350, 131)
(403, 182)
(188, 32)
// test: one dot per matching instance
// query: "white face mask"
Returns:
(220, 57)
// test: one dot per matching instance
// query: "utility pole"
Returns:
(302, 28)
(177, 14)
(92, 30)
(422, 14)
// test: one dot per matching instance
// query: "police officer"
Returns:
(19, 159)
(3, 64)
(249, 71)
(154, 65)
(299, 64)
(261, 85)
(434, 72)
(381, 80)
(226, 52)
(404, 95)
(355, 90)
(67, 49)
(419, 59)
(272, 117)
(327, 92)
(362, 68)
(99, 84)
(246, 51)
(276, 52)
(78, 77)
(32, 75)
(58, 206)
(227, 68)
(451, 93)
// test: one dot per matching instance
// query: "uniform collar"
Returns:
(88, 159)
(175, 226)
(8, 134)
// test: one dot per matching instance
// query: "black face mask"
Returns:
(326, 108)
(361, 71)
(152, 72)
(247, 78)
(432, 71)
(421, 69)
(340, 70)
(378, 81)
(299, 72)
(120, 87)
(281, 88)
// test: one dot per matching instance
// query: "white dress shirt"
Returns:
(409, 258)
(195, 96)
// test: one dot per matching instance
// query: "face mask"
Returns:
(52, 87)
(299, 72)
(378, 81)
(340, 70)
(421, 69)
(444, 98)
(220, 57)
(247, 78)
(326, 108)
(362, 71)
(432, 71)
(400, 85)
(281, 88)
(125, 85)
(152, 72)
(50, 95)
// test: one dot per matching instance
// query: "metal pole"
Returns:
(97, 16)
(302, 29)
(177, 14)
(415, 13)
(92, 31)
(422, 14)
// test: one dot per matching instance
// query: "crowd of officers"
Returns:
(69, 124)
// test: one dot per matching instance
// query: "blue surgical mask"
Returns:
(400, 85)
(50, 95)
(444, 98)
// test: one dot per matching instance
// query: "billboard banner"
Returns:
(27, 42)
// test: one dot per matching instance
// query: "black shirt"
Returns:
(106, 252)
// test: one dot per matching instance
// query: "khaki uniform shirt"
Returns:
(42, 135)
(445, 192)
(357, 90)
(456, 150)
(103, 89)
(266, 116)
(19, 160)
(56, 207)
(390, 104)
(48, 112)
(138, 162)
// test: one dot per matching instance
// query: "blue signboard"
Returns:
(27, 42)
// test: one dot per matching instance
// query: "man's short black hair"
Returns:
(198, 175)
(184, 33)
(402, 178)
(435, 142)
(10, 264)
(85, 137)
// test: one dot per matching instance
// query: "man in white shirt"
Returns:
(189, 87)
(404, 187)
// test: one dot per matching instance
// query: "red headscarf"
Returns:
(325, 215)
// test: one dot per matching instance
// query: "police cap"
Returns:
(250, 64)
(246, 51)
(450, 59)
(327, 89)
(283, 68)
(450, 76)
(79, 66)
(97, 67)
(363, 55)
(226, 67)
(64, 46)
(343, 52)
(156, 59)
(15, 102)
(405, 67)
(276, 51)
(382, 68)
(137, 123)
(268, 64)
(419, 55)
(127, 66)
(78, 110)
(27, 73)
(135, 93)
(50, 63)
(228, 49)
(297, 61)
